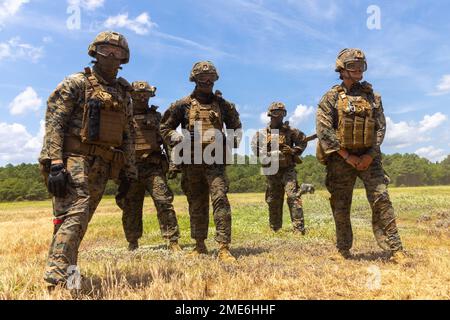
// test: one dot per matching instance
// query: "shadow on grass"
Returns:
(372, 256)
(248, 251)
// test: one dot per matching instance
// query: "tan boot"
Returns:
(200, 248)
(174, 247)
(341, 255)
(400, 257)
(225, 254)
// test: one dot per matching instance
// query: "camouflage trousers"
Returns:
(340, 181)
(88, 176)
(285, 181)
(198, 183)
(151, 179)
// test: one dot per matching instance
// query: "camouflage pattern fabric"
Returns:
(201, 181)
(327, 120)
(285, 181)
(195, 181)
(341, 176)
(152, 179)
(87, 180)
(87, 174)
(340, 181)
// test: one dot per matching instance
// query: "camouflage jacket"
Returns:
(294, 139)
(64, 116)
(327, 119)
(178, 114)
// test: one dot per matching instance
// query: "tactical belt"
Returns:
(114, 156)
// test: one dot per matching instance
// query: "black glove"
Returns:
(57, 180)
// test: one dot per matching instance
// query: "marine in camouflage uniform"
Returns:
(351, 127)
(292, 143)
(88, 129)
(151, 163)
(199, 181)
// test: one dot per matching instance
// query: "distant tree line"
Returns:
(24, 181)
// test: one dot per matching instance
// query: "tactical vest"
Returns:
(200, 114)
(104, 115)
(284, 160)
(147, 139)
(356, 124)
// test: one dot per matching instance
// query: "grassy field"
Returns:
(270, 266)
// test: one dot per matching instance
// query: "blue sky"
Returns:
(265, 50)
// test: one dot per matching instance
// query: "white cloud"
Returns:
(404, 134)
(264, 118)
(431, 122)
(14, 49)
(18, 145)
(28, 100)
(443, 87)
(9, 8)
(140, 25)
(431, 153)
(89, 5)
(301, 113)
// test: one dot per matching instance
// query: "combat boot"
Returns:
(200, 248)
(133, 245)
(174, 247)
(300, 230)
(400, 257)
(341, 255)
(225, 254)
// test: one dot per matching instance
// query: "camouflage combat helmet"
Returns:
(111, 38)
(276, 106)
(143, 86)
(201, 68)
(350, 55)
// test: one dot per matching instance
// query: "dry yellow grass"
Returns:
(270, 266)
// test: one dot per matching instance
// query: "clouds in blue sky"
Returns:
(265, 50)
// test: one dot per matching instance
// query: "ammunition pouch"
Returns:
(320, 154)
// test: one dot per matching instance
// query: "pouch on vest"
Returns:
(369, 131)
(346, 134)
(200, 119)
(320, 154)
(358, 132)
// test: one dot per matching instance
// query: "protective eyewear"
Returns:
(141, 95)
(109, 50)
(278, 113)
(206, 77)
(357, 65)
